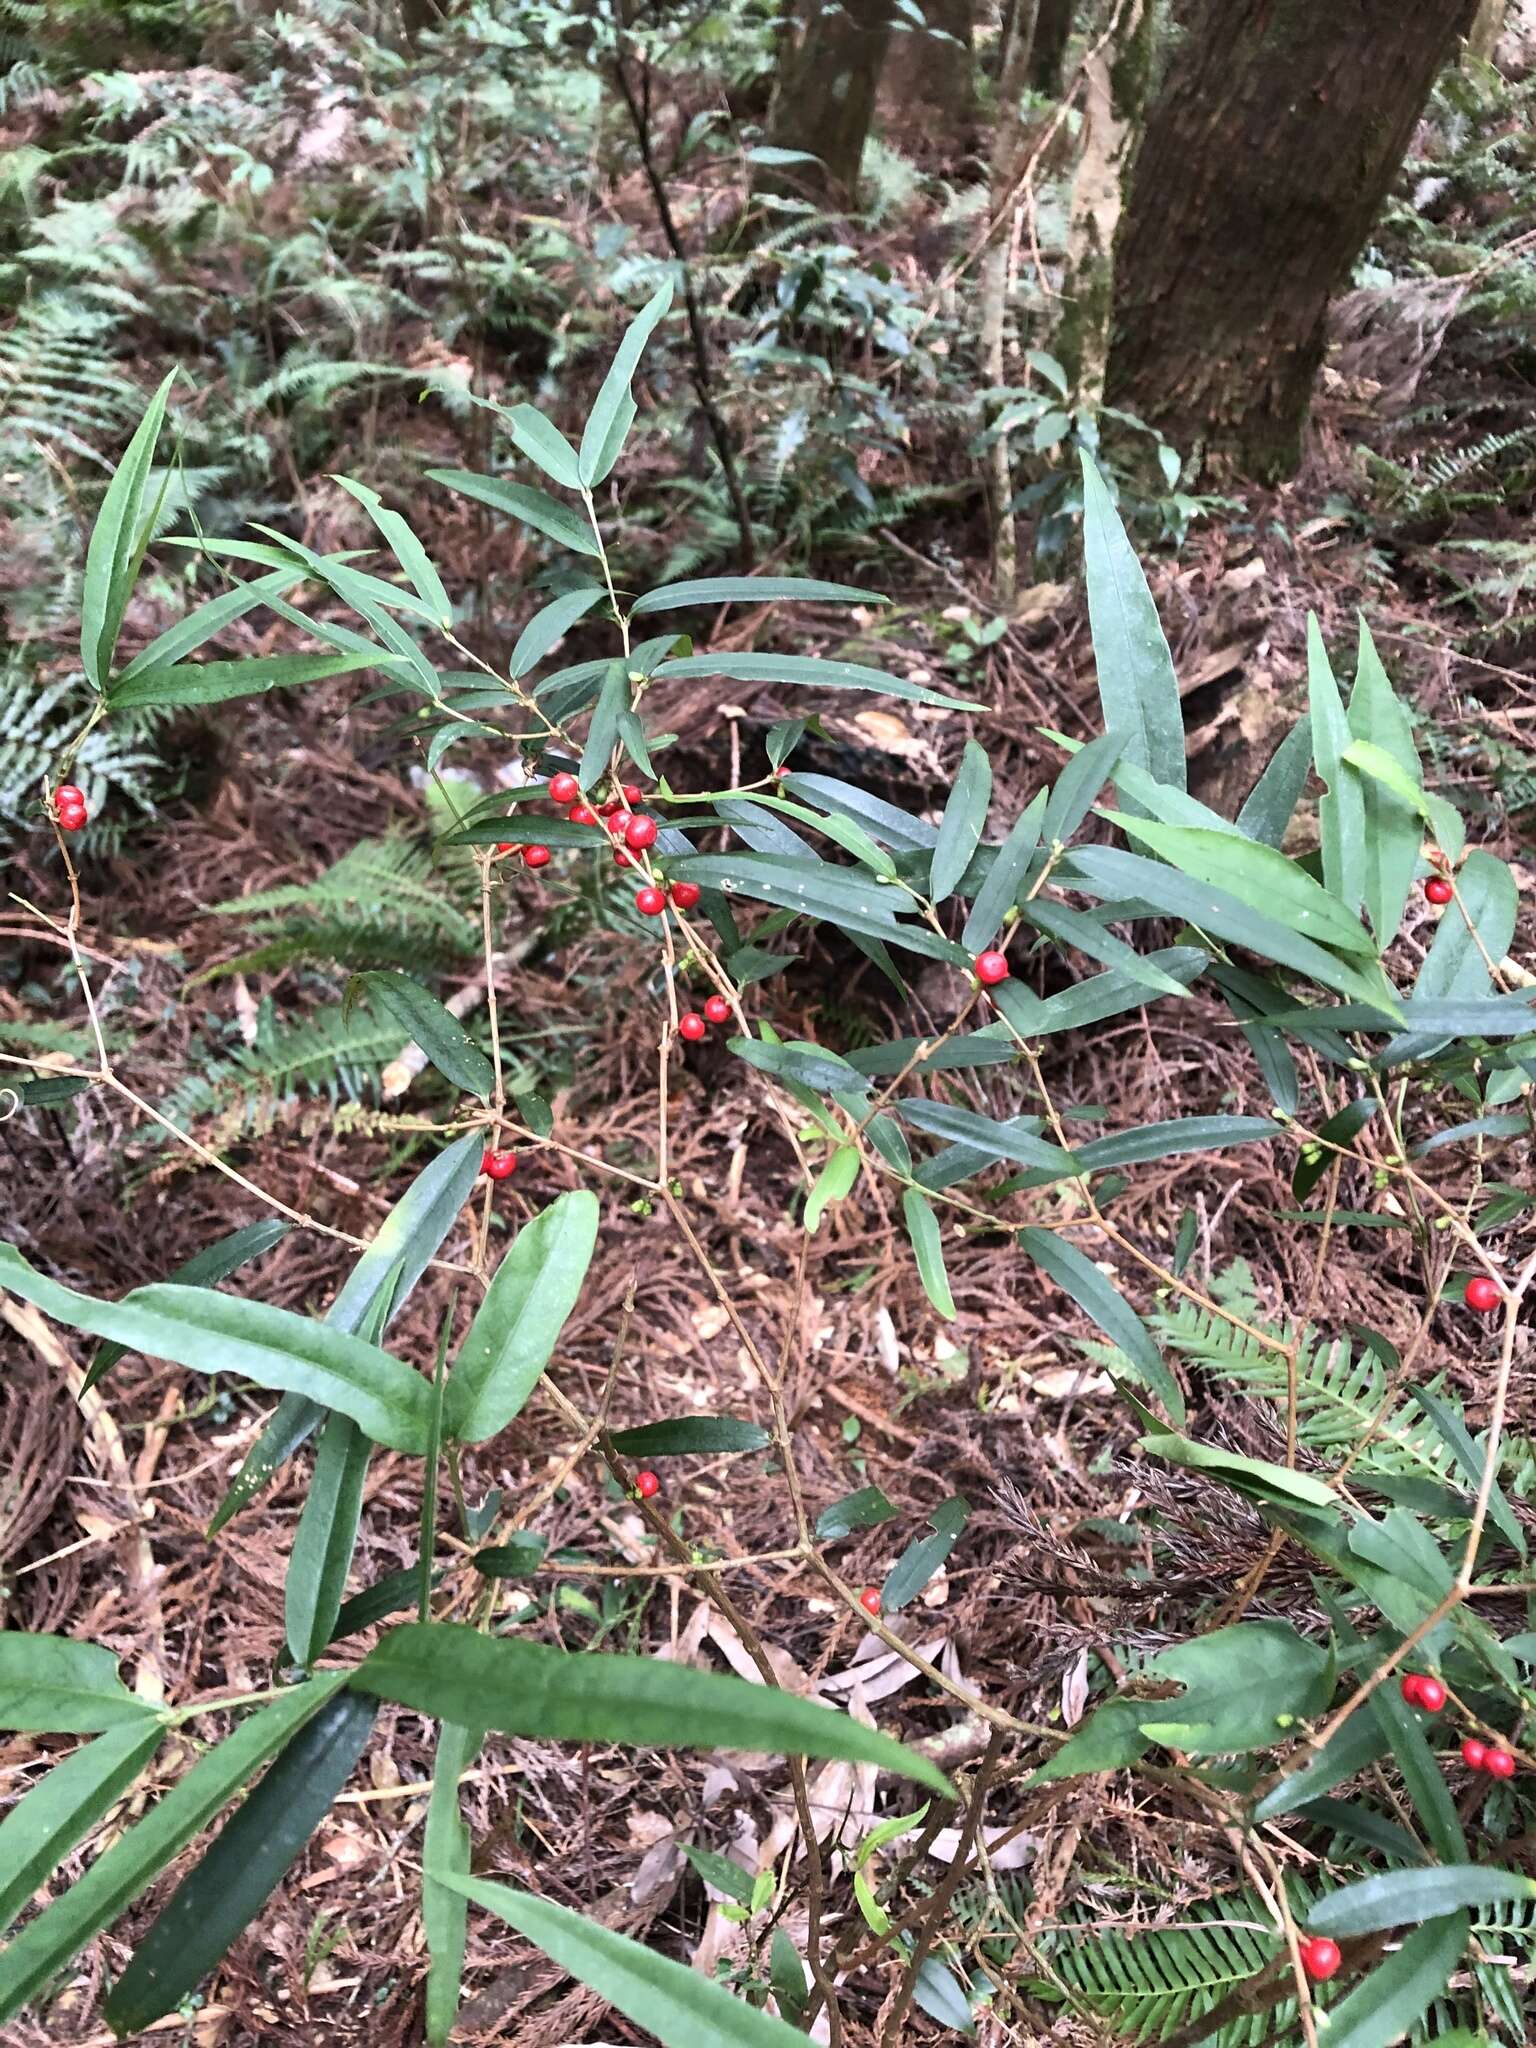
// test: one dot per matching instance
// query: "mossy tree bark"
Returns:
(825, 97)
(1266, 156)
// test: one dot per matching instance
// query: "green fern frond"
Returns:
(328, 1053)
(1148, 1983)
(381, 889)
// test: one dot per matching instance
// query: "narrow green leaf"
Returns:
(679, 2006)
(1076, 1274)
(691, 1435)
(1402, 1898)
(211, 1332)
(833, 1184)
(894, 827)
(1088, 935)
(1108, 995)
(34, 1957)
(117, 544)
(444, 1910)
(1137, 686)
(520, 1555)
(999, 892)
(598, 452)
(527, 1688)
(52, 1685)
(551, 623)
(1341, 810)
(1244, 1687)
(983, 1133)
(1256, 1477)
(1079, 783)
(928, 1250)
(960, 829)
(204, 1269)
(516, 1326)
(813, 674)
(1384, 2006)
(866, 1509)
(721, 1872)
(920, 1560)
(200, 626)
(1456, 963)
(1356, 1746)
(409, 552)
(534, 508)
(613, 702)
(1391, 790)
(1108, 1740)
(225, 1890)
(1420, 1768)
(1453, 1433)
(62, 1808)
(436, 1030)
(1171, 1140)
(812, 1066)
(316, 1580)
(215, 682)
(542, 442)
(1341, 1129)
(1271, 803)
(705, 590)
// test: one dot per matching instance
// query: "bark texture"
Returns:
(928, 85)
(1053, 30)
(825, 98)
(1265, 159)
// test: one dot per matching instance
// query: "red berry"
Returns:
(564, 788)
(535, 856)
(1483, 1294)
(779, 774)
(582, 814)
(71, 817)
(632, 793)
(1431, 1695)
(647, 1485)
(991, 968)
(869, 1599)
(1474, 1754)
(498, 1165)
(1410, 1689)
(640, 833)
(505, 845)
(1438, 890)
(610, 808)
(621, 859)
(692, 1026)
(650, 902)
(1499, 1764)
(1320, 1958)
(67, 797)
(685, 894)
(717, 1010)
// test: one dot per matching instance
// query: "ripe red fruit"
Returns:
(647, 1485)
(1320, 1958)
(1499, 1764)
(564, 788)
(1438, 890)
(991, 968)
(1474, 1754)
(535, 856)
(1410, 1689)
(692, 1027)
(632, 793)
(1483, 1294)
(71, 817)
(1431, 1695)
(621, 859)
(650, 902)
(685, 894)
(640, 833)
(869, 1599)
(717, 1010)
(498, 1165)
(610, 809)
(505, 845)
(582, 814)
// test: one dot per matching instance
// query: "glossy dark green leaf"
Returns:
(392, 1594)
(521, 1554)
(961, 827)
(834, 1183)
(613, 703)
(600, 440)
(201, 625)
(516, 1326)
(1108, 995)
(691, 1435)
(679, 2006)
(525, 831)
(1341, 809)
(1364, 1824)
(216, 682)
(920, 1560)
(989, 1047)
(1455, 965)
(900, 830)
(193, 1326)
(204, 1269)
(1138, 690)
(1403, 1898)
(866, 1509)
(1108, 1740)
(1453, 1433)
(61, 1809)
(225, 1890)
(1420, 1768)
(1245, 1688)
(1088, 935)
(1005, 877)
(928, 1250)
(706, 590)
(1076, 1274)
(550, 624)
(53, 1685)
(44, 1093)
(316, 1580)
(983, 1134)
(1341, 1129)
(33, 1957)
(1079, 783)
(1173, 1139)
(408, 550)
(542, 442)
(444, 1911)
(727, 1877)
(534, 508)
(435, 1029)
(813, 1066)
(1384, 2006)
(1354, 1748)
(806, 671)
(1392, 832)
(117, 543)
(527, 1688)
(1271, 803)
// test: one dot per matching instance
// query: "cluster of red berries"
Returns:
(1487, 1756)
(69, 807)
(651, 902)
(1420, 1690)
(498, 1165)
(693, 1027)
(1320, 1957)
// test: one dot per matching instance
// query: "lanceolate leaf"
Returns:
(678, 2006)
(1341, 811)
(599, 450)
(52, 1685)
(689, 1435)
(1457, 963)
(706, 590)
(928, 1250)
(920, 1560)
(46, 1823)
(984, 1134)
(205, 1269)
(1402, 1898)
(1341, 1129)
(221, 1895)
(534, 508)
(542, 442)
(1271, 803)
(210, 1332)
(960, 830)
(1103, 1303)
(1392, 833)
(550, 624)
(446, 1855)
(526, 1688)
(1005, 877)
(436, 1030)
(1087, 934)
(409, 552)
(1383, 2007)
(201, 625)
(1079, 783)
(1137, 686)
(42, 1948)
(215, 682)
(866, 1509)
(316, 1580)
(833, 1184)
(112, 561)
(813, 674)
(515, 1328)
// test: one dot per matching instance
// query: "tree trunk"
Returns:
(928, 85)
(1266, 157)
(1053, 31)
(1114, 105)
(824, 100)
(1007, 141)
